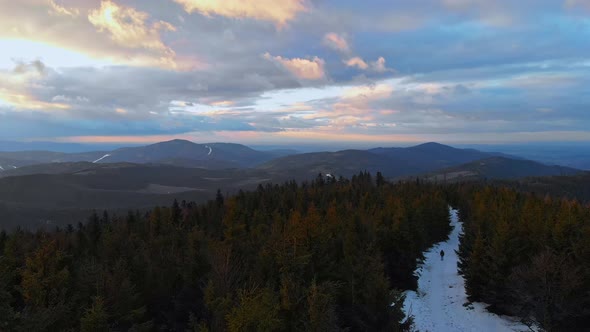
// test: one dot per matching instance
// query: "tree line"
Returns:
(326, 255)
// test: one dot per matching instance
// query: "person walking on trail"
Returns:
(442, 255)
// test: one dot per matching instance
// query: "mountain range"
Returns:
(427, 159)
(44, 187)
(498, 168)
(214, 155)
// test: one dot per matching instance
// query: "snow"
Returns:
(1, 168)
(440, 304)
(14, 167)
(101, 158)
(210, 150)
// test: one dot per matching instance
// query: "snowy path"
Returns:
(438, 304)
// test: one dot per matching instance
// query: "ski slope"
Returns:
(440, 304)
(101, 158)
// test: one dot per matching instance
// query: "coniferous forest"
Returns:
(527, 255)
(324, 256)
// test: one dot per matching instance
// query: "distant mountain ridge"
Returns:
(442, 155)
(176, 152)
(237, 154)
(393, 162)
(499, 168)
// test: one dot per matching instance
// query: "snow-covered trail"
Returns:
(438, 305)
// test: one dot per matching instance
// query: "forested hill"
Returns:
(572, 187)
(322, 256)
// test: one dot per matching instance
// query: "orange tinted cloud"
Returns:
(222, 103)
(336, 42)
(357, 62)
(277, 11)
(307, 69)
(26, 101)
(376, 66)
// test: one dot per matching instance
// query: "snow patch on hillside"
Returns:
(210, 150)
(101, 158)
(440, 303)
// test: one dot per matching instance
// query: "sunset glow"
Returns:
(294, 70)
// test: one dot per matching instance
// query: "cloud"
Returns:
(368, 92)
(377, 66)
(355, 107)
(15, 87)
(24, 67)
(279, 12)
(129, 28)
(307, 69)
(69, 100)
(104, 33)
(23, 101)
(357, 62)
(222, 103)
(336, 42)
(61, 10)
(462, 67)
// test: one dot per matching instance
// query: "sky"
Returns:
(295, 71)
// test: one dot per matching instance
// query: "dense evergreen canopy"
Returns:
(325, 256)
(328, 255)
(526, 255)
